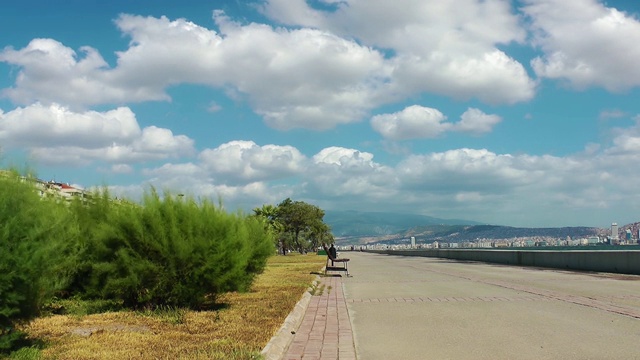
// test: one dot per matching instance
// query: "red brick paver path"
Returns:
(325, 331)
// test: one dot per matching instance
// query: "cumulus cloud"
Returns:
(336, 65)
(56, 135)
(343, 174)
(404, 23)
(311, 77)
(470, 183)
(339, 156)
(448, 47)
(476, 122)
(626, 144)
(492, 76)
(469, 169)
(47, 66)
(583, 41)
(414, 122)
(300, 78)
(477, 181)
(159, 141)
(245, 161)
(419, 122)
(196, 180)
(244, 172)
(55, 125)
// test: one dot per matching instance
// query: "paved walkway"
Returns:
(325, 332)
(395, 307)
(428, 308)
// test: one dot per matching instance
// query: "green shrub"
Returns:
(165, 252)
(169, 251)
(31, 229)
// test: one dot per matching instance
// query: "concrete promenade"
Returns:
(398, 307)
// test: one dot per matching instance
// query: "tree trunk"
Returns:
(298, 242)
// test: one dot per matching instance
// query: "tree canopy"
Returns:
(296, 225)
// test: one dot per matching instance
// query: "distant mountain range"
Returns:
(356, 223)
(354, 227)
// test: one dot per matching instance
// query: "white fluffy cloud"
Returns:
(294, 78)
(242, 172)
(470, 183)
(335, 66)
(585, 43)
(245, 161)
(470, 169)
(56, 135)
(55, 125)
(477, 122)
(408, 24)
(343, 157)
(419, 122)
(159, 141)
(448, 47)
(301, 78)
(342, 174)
(316, 77)
(414, 122)
(491, 76)
(51, 72)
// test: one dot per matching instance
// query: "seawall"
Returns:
(612, 261)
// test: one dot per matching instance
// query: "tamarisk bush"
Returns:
(31, 229)
(169, 251)
(165, 251)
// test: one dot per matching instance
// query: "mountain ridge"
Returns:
(356, 223)
(356, 228)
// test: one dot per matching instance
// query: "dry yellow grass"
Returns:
(238, 330)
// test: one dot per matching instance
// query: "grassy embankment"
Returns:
(238, 328)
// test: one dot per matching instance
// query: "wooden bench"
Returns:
(334, 262)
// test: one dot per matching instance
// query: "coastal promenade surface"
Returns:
(401, 307)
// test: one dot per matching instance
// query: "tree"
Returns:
(320, 233)
(269, 215)
(295, 224)
(300, 218)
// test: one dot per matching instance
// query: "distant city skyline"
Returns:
(520, 113)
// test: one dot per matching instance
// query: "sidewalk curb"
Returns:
(277, 346)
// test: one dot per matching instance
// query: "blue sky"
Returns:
(521, 113)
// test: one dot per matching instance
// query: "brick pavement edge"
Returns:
(279, 343)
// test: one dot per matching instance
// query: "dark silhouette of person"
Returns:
(332, 252)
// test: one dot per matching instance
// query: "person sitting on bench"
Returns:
(333, 253)
(332, 256)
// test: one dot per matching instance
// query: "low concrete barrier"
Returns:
(613, 261)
